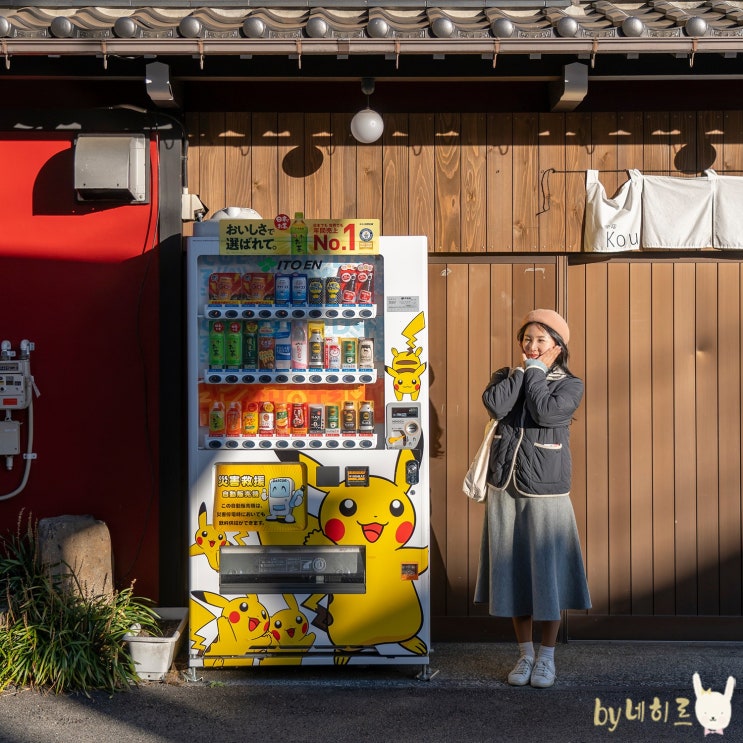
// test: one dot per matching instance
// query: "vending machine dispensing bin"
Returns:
(307, 435)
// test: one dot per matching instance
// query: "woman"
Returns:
(531, 566)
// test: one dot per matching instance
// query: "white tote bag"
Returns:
(475, 484)
(613, 225)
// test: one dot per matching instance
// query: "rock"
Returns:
(80, 545)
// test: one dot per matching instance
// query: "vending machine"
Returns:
(307, 434)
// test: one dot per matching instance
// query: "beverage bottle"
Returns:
(217, 419)
(366, 416)
(299, 345)
(233, 419)
(317, 349)
(298, 234)
(283, 347)
(349, 417)
(234, 344)
(217, 344)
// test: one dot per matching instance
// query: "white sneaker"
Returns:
(544, 674)
(521, 672)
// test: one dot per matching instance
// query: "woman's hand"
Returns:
(550, 356)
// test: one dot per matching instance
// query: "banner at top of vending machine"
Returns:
(299, 236)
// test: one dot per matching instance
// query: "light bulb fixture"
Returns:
(367, 125)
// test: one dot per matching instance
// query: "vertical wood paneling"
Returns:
(577, 159)
(421, 216)
(597, 470)
(481, 292)
(447, 184)
(551, 212)
(500, 183)
(474, 184)
(238, 164)
(290, 164)
(212, 170)
(369, 182)
(657, 486)
(576, 317)
(457, 414)
(662, 438)
(437, 378)
(604, 156)
(265, 165)
(708, 506)
(343, 180)
(525, 182)
(316, 151)
(641, 456)
(729, 437)
(618, 440)
(685, 435)
(396, 175)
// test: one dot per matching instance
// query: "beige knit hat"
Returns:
(551, 319)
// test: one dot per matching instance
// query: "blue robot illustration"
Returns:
(282, 498)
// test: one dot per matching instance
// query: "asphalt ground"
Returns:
(604, 692)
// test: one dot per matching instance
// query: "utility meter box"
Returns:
(111, 167)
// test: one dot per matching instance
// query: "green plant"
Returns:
(52, 635)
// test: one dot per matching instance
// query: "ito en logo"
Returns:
(713, 710)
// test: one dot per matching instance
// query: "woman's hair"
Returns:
(562, 359)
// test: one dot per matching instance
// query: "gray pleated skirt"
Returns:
(530, 557)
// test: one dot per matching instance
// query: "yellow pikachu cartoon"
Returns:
(382, 518)
(290, 638)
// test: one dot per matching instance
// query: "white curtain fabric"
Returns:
(727, 224)
(613, 224)
(677, 212)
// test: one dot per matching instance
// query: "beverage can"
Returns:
(233, 419)
(348, 421)
(282, 289)
(266, 420)
(332, 291)
(315, 291)
(299, 289)
(317, 419)
(217, 344)
(298, 422)
(234, 344)
(332, 354)
(366, 416)
(259, 288)
(217, 419)
(349, 353)
(347, 280)
(366, 353)
(332, 419)
(281, 414)
(250, 345)
(316, 345)
(225, 288)
(250, 419)
(365, 283)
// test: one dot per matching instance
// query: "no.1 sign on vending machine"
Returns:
(308, 426)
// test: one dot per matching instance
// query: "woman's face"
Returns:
(536, 341)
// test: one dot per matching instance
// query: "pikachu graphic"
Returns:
(382, 518)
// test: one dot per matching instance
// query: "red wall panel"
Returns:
(81, 282)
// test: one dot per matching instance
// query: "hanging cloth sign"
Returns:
(677, 212)
(613, 224)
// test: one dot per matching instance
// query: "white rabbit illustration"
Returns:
(713, 710)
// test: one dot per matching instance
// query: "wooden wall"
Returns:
(658, 338)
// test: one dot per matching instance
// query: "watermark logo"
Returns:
(713, 710)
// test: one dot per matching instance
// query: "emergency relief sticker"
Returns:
(260, 496)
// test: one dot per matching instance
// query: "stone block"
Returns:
(80, 545)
